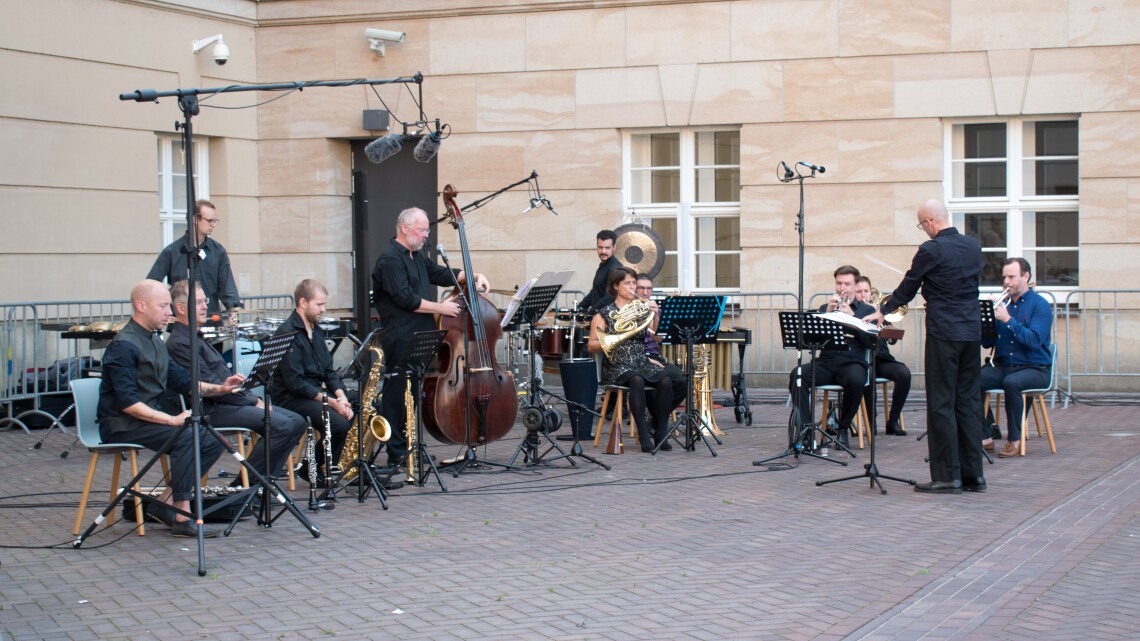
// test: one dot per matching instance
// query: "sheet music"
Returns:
(543, 280)
(851, 321)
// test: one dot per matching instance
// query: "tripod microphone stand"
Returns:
(688, 319)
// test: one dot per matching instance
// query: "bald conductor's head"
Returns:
(933, 217)
(150, 301)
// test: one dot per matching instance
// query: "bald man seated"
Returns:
(138, 373)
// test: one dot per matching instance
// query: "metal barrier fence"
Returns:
(1098, 349)
(1101, 340)
(39, 362)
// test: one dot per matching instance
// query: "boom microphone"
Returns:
(384, 148)
(427, 148)
(820, 168)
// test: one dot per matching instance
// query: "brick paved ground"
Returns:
(678, 546)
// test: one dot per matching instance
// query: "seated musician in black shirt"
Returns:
(241, 408)
(305, 379)
(846, 367)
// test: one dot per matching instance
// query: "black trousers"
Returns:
(897, 373)
(394, 409)
(285, 430)
(1013, 379)
(954, 429)
(850, 375)
(153, 436)
(313, 410)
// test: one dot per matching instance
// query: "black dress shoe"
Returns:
(940, 487)
(159, 513)
(893, 428)
(843, 438)
(974, 484)
(188, 529)
(646, 448)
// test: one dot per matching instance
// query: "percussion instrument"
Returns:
(639, 248)
(553, 342)
(580, 384)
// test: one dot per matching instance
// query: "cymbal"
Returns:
(639, 248)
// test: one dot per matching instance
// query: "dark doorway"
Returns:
(379, 193)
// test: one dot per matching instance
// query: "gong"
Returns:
(639, 248)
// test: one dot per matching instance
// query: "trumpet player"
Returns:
(1021, 352)
(628, 363)
(886, 366)
(846, 367)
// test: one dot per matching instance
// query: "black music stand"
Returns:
(423, 349)
(539, 418)
(807, 330)
(273, 349)
(362, 465)
(989, 321)
(870, 469)
(691, 320)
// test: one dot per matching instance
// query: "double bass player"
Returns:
(402, 293)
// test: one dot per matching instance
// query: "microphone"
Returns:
(384, 148)
(820, 168)
(534, 202)
(442, 254)
(546, 203)
(786, 170)
(427, 147)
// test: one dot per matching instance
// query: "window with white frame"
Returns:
(686, 185)
(172, 184)
(1013, 185)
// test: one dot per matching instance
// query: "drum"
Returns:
(553, 342)
(580, 384)
(268, 326)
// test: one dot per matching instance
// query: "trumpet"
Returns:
(1002, 299)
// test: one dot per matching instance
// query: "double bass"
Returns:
(470, 400)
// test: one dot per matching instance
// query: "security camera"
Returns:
(220, 52)
(384, 34)
(378, 37)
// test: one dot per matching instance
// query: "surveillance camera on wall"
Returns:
(378, 37)
(384, 34)
(220, 52)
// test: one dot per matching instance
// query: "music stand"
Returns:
(809, 331)
(538, 417)
(989, 321)
(691, 319)
(273, 349)
(870, 470)
(423, 349)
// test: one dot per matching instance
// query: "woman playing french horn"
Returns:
(618, 330)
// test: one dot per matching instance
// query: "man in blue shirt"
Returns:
(1021, 357)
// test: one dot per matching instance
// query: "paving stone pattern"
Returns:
(682, 545)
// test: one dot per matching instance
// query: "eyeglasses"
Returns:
(921, 223)
(210, 221)
(643, 289)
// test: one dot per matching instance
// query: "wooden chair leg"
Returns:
(618, 421)
(138, 502)
(601, 419)
(1048, 424)
(863, 423)
(86, 492)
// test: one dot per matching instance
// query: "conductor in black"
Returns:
(403, 292)
(948, 268)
